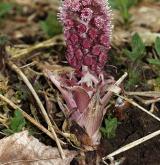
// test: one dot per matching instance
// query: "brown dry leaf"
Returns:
(22, 149)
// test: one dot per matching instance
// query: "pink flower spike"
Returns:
(87, 23)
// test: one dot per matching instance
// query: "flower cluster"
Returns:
(87, 31)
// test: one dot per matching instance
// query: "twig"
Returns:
(146, 94)
(29, 118)
(152, 107)
(131, 145)
(26, 81)
(26, 51)
(138, 106)
(113, 89)
(147, 102)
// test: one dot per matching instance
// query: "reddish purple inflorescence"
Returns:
(87, 31)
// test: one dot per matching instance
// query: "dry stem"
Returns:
(146, 94)
(113, 89)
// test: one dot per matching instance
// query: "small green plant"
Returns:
(5, 8)
(156, 61)
(109, 131)
(17, 123)
(123, 6)
(51, 26)
(3, 40)
(157, 48)
(135, 56)
(137, 49)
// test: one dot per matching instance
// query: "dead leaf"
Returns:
(22, 149)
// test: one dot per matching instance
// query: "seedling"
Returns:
(153, 61)
(123, 6)
(135, 56)
(157, 45)
(109, 131)
(16, 124)
(5, 8)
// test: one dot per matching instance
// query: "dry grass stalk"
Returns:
(145, 94)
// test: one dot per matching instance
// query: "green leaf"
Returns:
(133, 78)
(51, 26)
(123, 6)
(138, 48)
(157, 45)
(154, 61)
(5, 8)
(117, 4)
(110, 127)
(17, 123)
(3, 40)
(158, 80)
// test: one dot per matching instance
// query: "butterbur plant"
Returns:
(87, 32)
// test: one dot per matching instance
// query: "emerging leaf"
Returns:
(5, 8)
(157, 45)
(17, 123)
(154, 61)
(110, 127)
(138, 48)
